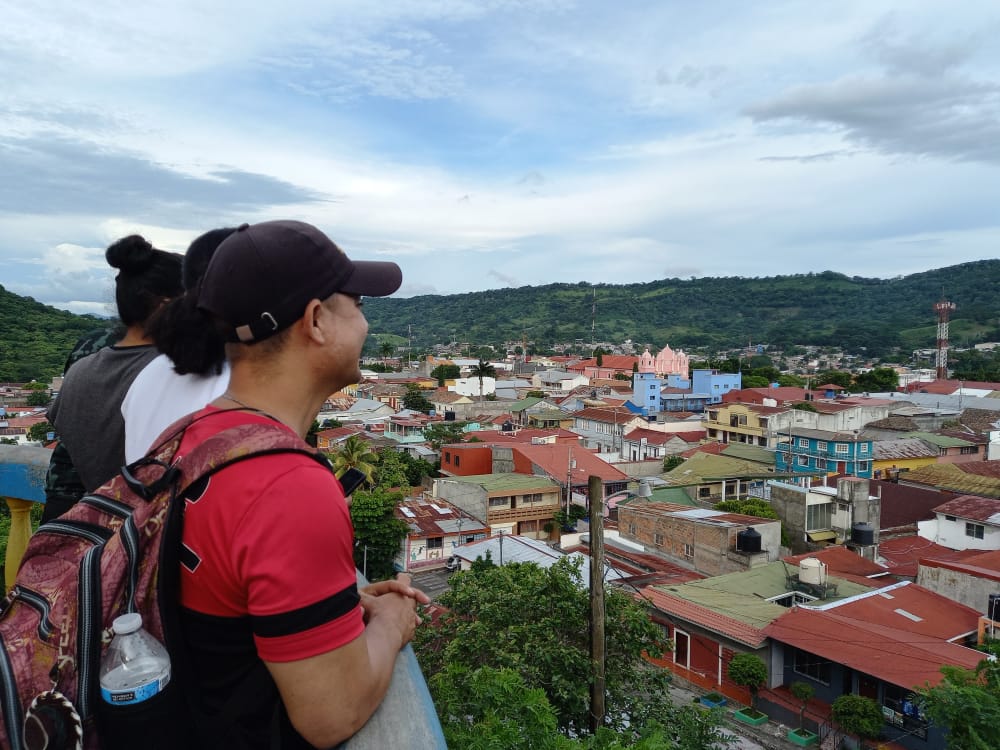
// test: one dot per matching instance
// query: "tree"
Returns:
(355, 453)
(751, 506)
(803, 692)
(534, 620)
(672, 462)
(749, 671)
(859, 716)
(445, 372)
(836, 377)
(385, 349)
(877, 380)
(535, 394)
(390, 470)
(482, 369)
(444, 433)
(967, 702)
(40, 431)
(378, 534)
(416, 400)
(39, 398)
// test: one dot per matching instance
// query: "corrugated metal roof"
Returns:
(951, 477)
(942, 441)
(503, 482)
(986, 509)
(898, 449)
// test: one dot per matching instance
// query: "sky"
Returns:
(485, 144)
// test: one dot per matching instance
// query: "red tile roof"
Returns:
(902, 554)
(913, 608)
(976, 508)
(982, 565)
(841, 560)
(982, 468)
(604, 414)
(896, 655)
(522, 436)
(608, 361)
(656, 437)
(740, 632)
(554, 460)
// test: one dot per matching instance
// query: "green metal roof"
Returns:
(941, 441)
(524, 403)
(747, 452)
(703, 468)
(742, 596)
(504, 482)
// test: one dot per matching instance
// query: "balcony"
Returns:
(406, 718)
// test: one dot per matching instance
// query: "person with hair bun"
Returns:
(191, 369)
(87, 413)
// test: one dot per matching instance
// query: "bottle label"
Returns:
(136, 694)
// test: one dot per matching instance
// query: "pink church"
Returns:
(667, 362)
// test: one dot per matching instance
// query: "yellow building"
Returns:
(753, 424)
(901, 454)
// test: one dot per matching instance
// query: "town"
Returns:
(808, 544)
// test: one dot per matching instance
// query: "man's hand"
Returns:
(374, 595)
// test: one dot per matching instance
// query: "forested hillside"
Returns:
(35, 338)
(823, 309)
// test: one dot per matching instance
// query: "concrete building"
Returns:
(519, 504)
(704, 539)
(824, 515)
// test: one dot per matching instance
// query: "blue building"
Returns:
(823, 452)
(646, 392)
(715, 384)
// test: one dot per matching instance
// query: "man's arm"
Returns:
(329, 697)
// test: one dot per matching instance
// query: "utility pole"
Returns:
(597, 644)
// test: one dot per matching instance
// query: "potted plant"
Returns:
(749, 671)
(713, 700)
(803, 691)
(859, 716)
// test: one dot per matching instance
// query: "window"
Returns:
(842, 449)
(820, 463)
(437, 543)
(704, 491)
(818, 517)
(966, 449)
(975, 530)
(658, 540)
(821, 446)
(743, 419)
(864, 466)
(802, 460)
(456, 460)
(447, 458)
(803, 442)
(950, 518)
(689, 550)
(812, 666)
(900, 711)
(863, 449)
(499, 502)
(631, 529)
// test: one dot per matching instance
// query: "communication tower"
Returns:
(943, 310)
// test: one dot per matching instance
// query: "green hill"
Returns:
(35, 338)
(826, 309)
(823, 308)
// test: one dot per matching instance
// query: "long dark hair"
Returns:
(182, 331)
(146, 276)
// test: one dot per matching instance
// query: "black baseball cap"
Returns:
(263, 275)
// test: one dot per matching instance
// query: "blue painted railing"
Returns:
(406, 718)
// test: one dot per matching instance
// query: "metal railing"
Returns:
(406, 717)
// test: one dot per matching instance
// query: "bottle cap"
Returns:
(125, 624)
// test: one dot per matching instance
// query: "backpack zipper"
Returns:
(40, 604)
(130, 539)
(89, 531)
(107, 504)
(12, 712)
(88, 651)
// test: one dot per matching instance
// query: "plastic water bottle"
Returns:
(136, 666)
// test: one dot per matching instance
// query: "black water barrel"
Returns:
(862, 533)
(748, 541)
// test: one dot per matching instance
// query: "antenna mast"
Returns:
(943, 310)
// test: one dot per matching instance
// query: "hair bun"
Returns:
(130, 254)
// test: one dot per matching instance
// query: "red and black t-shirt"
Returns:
(267, 567)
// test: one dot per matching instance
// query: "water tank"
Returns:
(748, 541)
(993, 608)
(863, 534)
(812, 571)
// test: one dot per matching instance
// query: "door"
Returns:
(682, 649)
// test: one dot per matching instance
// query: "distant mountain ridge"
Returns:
(825, 308)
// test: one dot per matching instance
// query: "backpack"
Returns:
(116, 551)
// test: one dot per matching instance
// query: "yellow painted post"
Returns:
(20, 533)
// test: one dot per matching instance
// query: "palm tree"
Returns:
(355, 454)
(482, 370)
(386, 349)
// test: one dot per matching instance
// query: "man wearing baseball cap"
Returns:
(268, 577)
